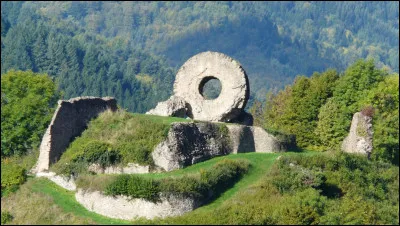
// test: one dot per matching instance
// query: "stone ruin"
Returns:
(187, 142)
(188, 99)
(69, 121)
(360, 136)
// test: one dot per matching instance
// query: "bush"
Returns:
(368, 111)
(290, 177)
(100, 153)
(27, 104)
(135, 187)
(83, 153)
(12, 176)
(6, 217)
(203, 186)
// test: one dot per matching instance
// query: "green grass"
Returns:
(59, 205)
(66, 200)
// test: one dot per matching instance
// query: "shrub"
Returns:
(6, 217)
(12, 176)
(203, 186)
(135, 187)
(100, 153)
(85, 152)
(368, 111)
(27, 104)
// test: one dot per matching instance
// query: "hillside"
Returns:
(275, 41)
(308, 89)
(319, 189)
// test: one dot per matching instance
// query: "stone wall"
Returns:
(69, 121)
(253, 139)
(123, 207)
(360, 136)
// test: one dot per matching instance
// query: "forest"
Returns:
(126, 48)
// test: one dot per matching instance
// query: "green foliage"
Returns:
(134, 186)
(304, 208)
(12, 175)
(319, 110)
(205, 185)
(27, 105)
(271, 38)
(295, 110)
(351, 193)
(87, 153)
(385, 100)
(6, 217)
(330, 131)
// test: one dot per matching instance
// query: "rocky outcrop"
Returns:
(360, 136)
(201, 68)
(126, 208)
(69, 121)
(189, 143)
(175, 106)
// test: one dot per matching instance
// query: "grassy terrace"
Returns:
(58, 205)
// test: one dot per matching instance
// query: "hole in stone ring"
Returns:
(210, 88)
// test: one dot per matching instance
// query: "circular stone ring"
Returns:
(201, 68)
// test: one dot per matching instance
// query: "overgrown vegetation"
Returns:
(310, 189)
(203, 185)
(115, 138)
(318, 110)
(5, 217)
(12, 176)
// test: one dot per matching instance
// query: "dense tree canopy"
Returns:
(319, 109)
(274, 41)
(27, 104)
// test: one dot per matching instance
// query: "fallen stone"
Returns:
(175, 106)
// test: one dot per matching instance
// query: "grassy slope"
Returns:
(58, 205)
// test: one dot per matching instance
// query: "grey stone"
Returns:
(359, 139)
(126, 208)
(199, 69)
(131, 168)
(175, 106)
(189, 143)
(253, 139)
(69, 121)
